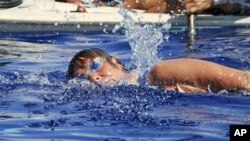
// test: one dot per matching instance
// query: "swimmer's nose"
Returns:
(94, 78)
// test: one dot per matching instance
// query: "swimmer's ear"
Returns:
(81, 58)
(116, 62)
(81, 61)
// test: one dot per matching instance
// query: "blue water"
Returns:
(38, 103)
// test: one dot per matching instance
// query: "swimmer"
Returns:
(182, 75)
(237, 7)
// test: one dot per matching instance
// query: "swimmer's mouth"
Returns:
(108, 81)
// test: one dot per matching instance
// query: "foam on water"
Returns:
(46, 102)
(37, 102)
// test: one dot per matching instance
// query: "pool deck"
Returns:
(45, 15)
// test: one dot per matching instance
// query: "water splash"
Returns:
(143, 39)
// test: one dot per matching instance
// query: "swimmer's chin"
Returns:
(108, 82)
(118, 83)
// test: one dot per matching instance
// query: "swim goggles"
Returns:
(96, 65)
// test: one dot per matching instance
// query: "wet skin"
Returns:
(107, 74)
(182, 75)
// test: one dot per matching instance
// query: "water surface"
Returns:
(38, 103)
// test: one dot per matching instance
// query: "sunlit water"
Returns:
(38, 103)
(144, 40)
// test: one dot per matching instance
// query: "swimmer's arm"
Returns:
(197, 75)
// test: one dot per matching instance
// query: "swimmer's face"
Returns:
(98, 70)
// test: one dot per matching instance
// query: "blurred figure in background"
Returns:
(155, 6)
(150, 6)
(79, 3)
(238, 7)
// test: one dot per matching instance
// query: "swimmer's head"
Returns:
(97, 66)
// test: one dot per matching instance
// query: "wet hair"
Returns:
(91, 54)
